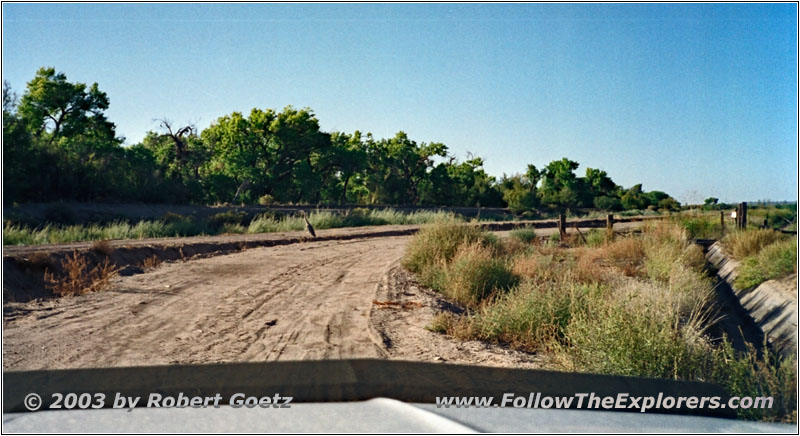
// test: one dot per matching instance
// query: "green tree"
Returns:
(280, 154)
(348, 160)
(398, 168)
(78, 153)
(634, 198)
(54, 108)
(560, 186)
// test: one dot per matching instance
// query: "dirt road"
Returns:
(309, 300)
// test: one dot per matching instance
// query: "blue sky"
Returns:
(696, 100)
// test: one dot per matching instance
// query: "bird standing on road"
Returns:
(309, 227)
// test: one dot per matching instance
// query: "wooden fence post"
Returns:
(744, 215)
(562, 226)
(722, 221)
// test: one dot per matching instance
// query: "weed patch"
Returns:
(78, 277)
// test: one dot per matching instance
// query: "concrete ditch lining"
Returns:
(772, 309)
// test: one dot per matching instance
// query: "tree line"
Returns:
(59, 145)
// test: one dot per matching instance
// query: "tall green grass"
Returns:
(774, 261)
(525, 234)
(224, 223)
(432, 251)
(700, 226)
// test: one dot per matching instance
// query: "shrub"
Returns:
(774, 261)
(744, 243)
(757, 374)
(230, 217)
(596, 237)
(541, 266)
(700, 227)
(266, 200)
(567, 304)
(627, 254)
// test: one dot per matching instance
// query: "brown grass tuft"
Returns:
(627, 254)
(151, 263)
(590, 268)
(102, 247)
(749, 242)
(40, 259)
(78, 277)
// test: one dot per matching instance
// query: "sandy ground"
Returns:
(311, 300)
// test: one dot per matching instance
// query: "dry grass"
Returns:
(151, 263)
(397, 304)
(749, 242)
(78, 277)
(626, 254)
(102, 247)
(40, 259)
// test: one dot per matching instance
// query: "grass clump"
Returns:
(774, 261)
(596, 238)
(475, 273)
(532, 317)
(700, 226)
(436, 245)
(745, 243)
(526, 235)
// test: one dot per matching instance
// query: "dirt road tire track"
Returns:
(304, 301)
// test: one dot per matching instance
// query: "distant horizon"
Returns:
(696, 100)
